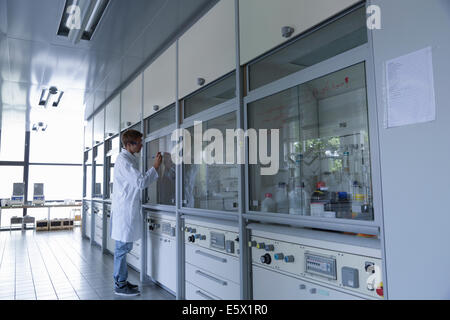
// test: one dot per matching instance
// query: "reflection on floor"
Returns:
(60, 265)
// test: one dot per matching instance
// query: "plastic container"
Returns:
(268, 204)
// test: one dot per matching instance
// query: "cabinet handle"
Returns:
(201, 294)
(207, 276)
(155, 108)
(208, 255)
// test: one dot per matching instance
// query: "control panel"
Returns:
(212, 238)
(162, 226)
(347, 271)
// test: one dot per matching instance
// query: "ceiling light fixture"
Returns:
(50, 96)
(80, 19)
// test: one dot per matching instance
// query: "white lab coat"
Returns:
(126, 218)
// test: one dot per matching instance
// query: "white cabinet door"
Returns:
(208, 49)
(167, 274)
(261, 21)
(222, 264)
(195, 293)
(131, 103)
(161, 260)
(112, 116)
(210, 282)
(88, 224)
(88, 134)
(110, 243)
(160, 82)
(99, 126)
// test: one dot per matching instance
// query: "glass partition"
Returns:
(163, 192)
(99, 162)
(214, 186)
(324, 153)
(160, 120)
(215, 94)
(337, 37)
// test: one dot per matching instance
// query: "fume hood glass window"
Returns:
(60, 182)
(217, 93)
(214, 186)
(339, 36)
(98, 186)
(112, 151)
(12, 133)
(88, 134)
(324, 167)
(163, 192)
(160, 120)
(88, 174)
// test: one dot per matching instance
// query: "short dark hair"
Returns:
(130, 136)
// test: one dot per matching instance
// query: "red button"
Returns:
(380, 291)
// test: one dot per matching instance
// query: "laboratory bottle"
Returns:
(295, 200)
(268, 204)
(281, 198)
(306, 201)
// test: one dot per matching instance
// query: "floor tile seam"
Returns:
(45, 264)
(31, 269)
(57, 261)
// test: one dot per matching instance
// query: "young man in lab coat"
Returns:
(127, 220)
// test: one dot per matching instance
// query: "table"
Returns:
(48, 205)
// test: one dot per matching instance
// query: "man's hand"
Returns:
(158, 161)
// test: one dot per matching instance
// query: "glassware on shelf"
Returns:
(268, 204)
(281, 198)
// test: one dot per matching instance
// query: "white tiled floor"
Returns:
(60, 265)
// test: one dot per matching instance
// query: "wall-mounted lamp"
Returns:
(50, 96)
(40, 126)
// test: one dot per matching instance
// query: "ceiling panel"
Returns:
(34, 20)
(163, 26)
(5, 92)
(3, 15)
(28, 60)
(4, 58)
(63, 68)
(130, 33)
(113, 79)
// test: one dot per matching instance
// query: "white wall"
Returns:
(415, 159)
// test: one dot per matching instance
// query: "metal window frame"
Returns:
(344, 60)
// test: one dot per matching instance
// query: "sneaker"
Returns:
(126, 291)
(132, 286)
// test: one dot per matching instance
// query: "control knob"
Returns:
(270, 247)
(278, 256)
(289, 259)
(266, 259)
(252, 244)
(191, 238)
(261, 245)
